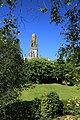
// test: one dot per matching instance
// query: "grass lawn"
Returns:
(40, 90)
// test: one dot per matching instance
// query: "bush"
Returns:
(45, 109)
(19, 110)
(71, 107)
(40, 70)
(51, 106)
(37, 108)
(26, 110)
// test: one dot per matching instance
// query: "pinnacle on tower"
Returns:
(34, 37)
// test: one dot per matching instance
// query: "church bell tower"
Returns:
(33, 47)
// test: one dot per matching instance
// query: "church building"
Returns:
(33, 47)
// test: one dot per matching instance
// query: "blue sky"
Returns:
(33, 21)
(48, 35)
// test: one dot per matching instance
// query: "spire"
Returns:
(33, 37)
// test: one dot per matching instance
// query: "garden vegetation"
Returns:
(15, 73)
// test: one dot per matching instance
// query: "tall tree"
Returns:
(12, 67)
(70, 20)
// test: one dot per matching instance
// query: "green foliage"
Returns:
(33, 110)
(26, 110)
(43, 71)
(19, 110)
(47, 108)
(58, 70)
(72, 106)
(72, 73)
(10, 3)
(43, 10)
(11, 66)
(55, 13)
(40, 70)
(66, 72)
(70, 20)
(51, 106)
(37, 108)
(12, 71)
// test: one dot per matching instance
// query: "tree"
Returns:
(70, 20)
(72, 73)
(12, 67)
(40, 70)
(12, 72)
(58, 70)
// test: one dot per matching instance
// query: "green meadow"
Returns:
(40, 90)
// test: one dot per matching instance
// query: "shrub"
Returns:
(40, 70)
(51, 106)
(46, 109)
(19, 110)
(72, 106)
(25, 110)
(37, 108)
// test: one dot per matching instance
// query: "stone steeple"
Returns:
(33, 47)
